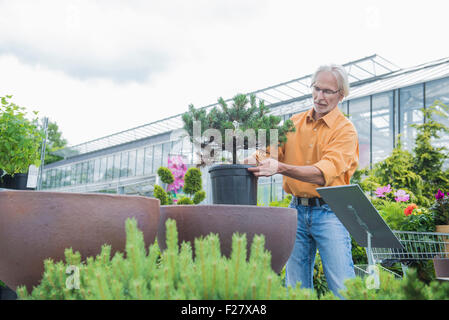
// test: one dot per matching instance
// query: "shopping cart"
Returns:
(417, 246)
(383, 245)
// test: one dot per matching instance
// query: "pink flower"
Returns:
(401, 196)
(380, 192)
(178, 168)
(440, 195)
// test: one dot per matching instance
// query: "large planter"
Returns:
(38, 225)
(233, 184)
(278, 225)
(441, 267)
(444, 229)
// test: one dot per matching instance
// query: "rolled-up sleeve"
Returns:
(340, 156)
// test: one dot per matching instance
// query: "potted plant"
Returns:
(440, 211)
(222, 132)
(190, 183)
(19, 144)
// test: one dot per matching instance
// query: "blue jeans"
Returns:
(319, 228)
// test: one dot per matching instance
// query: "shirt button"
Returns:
(314, 129)
(310, 145)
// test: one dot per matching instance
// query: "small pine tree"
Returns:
(254, 117)
(193, 185)
(160, 194)
(428, 159)
(165, 175)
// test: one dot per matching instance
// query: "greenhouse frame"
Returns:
(384, 101)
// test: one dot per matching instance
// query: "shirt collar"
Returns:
(329, 118)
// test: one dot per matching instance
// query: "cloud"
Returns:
(105, 39)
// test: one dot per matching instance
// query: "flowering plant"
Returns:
(417, 219)
(178, 168)
(388, 193)
(409, 210)
(183, 186)
(440, 208)
(400, 216)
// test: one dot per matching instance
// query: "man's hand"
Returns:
(266, 168)
(250, 160)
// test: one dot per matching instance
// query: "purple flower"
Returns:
(380, 192)
(440, 195)
(401, 196)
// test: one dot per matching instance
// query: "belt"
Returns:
(308, 201)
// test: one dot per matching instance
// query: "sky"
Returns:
(98, 67)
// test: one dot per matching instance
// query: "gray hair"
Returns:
(340, 74)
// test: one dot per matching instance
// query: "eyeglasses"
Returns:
(326, 92)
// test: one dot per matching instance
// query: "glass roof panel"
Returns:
(284, 98)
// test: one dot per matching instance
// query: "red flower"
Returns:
(408, 211)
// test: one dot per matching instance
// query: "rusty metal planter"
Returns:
(278, 225)
(38, 225)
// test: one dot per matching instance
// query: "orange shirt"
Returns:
(330, 144)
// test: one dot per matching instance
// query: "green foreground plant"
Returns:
(177, 276)
(176, 273)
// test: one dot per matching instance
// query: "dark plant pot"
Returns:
(37, 225)
(233, 184)
(17, 182)
(277, 224)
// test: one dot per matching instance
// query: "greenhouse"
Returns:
(385, 100)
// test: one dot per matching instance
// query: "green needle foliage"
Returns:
(139, 275)
(253, 116)
(176, 273)
(165, 174)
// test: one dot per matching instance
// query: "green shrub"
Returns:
(392, 213)
(20, 138)
(193, 185)
(193, 181)
(418, 172)
(184, 200)
(319, 279)
(165, 175)
(408, 288)
(160, 194)
(283, 203)
(137, 275)
(199, 196)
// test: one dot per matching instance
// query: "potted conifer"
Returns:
(222, 132)
(19, 144)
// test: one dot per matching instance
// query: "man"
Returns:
(324, 151)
